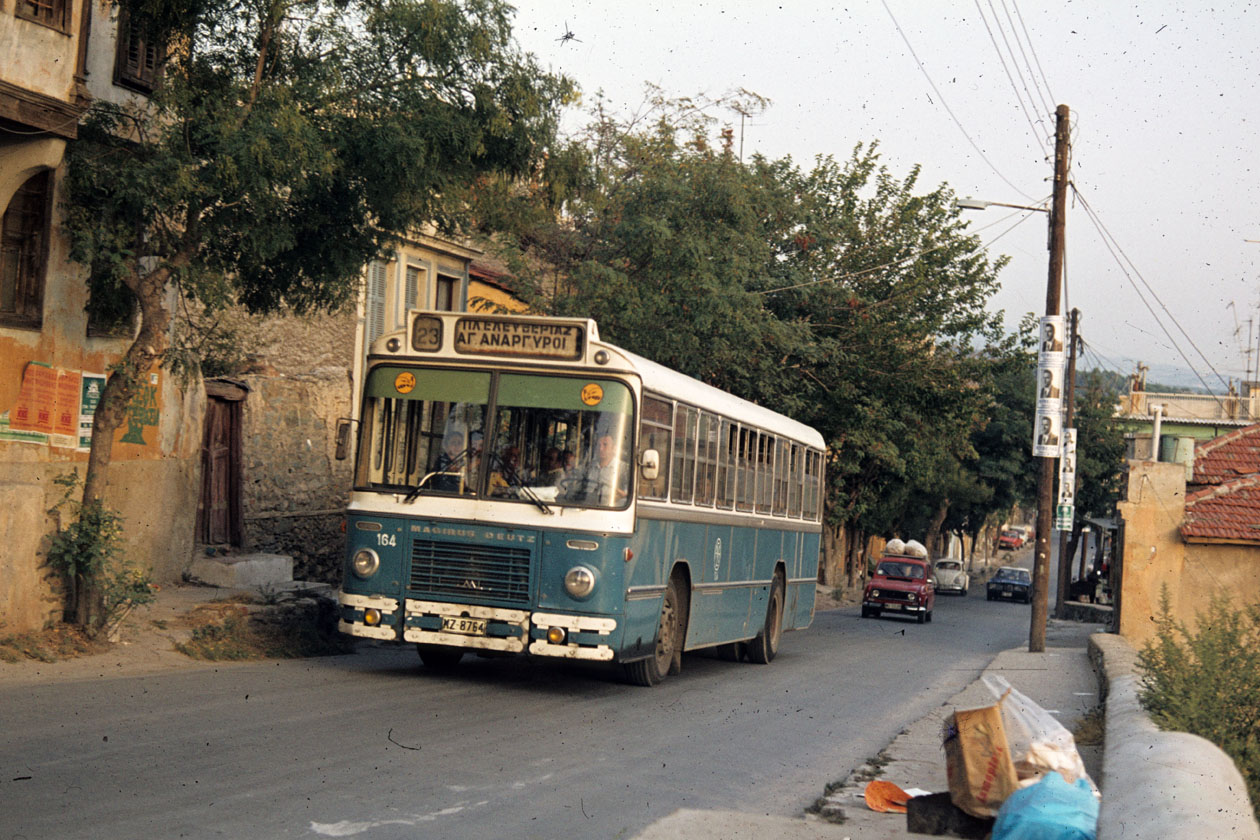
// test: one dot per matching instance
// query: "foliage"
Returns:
(87, 553)
(1207, 680)
(1099, 448)
(838, 294)
(287, 143)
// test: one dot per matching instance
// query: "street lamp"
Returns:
(1045, 479)
(977, 204)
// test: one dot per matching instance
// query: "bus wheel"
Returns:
(652, 670)
(439, 658)
(763, 648)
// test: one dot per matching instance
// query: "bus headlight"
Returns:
(579, 582)
(365, 562)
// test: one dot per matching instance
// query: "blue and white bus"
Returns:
(521, 487)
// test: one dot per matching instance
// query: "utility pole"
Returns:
(1045, 482)
(1065, 562)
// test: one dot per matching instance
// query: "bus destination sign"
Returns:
(506, 337)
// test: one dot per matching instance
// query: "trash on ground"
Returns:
(1038, 742)
(936, 814)
(978, 760)
(885, 797)
(1049, 809)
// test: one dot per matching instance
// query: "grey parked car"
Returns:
(951, 576)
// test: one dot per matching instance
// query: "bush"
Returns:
(88, 553)
(1207, 681)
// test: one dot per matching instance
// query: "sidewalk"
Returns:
(1062, 680)
(146, 639)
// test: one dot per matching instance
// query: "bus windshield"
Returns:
(550, 439)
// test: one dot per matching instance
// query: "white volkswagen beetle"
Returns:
(950, 576)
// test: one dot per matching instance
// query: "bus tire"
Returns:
(765, 646)
(653, 669)
(439, 658)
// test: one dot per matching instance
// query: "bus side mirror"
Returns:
(343, 439)
(650, 465)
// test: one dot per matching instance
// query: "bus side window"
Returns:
(781, 467)
(765, 473)
(813, 476)
(684, 454)
(745, 492)
(796, 481)
(728, 446)
(655, 432)
(706, 459)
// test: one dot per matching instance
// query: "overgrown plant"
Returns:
(88, 553)
(1206, 680)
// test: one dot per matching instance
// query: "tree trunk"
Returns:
(934, 534)
(124, 381)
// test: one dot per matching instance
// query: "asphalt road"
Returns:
(375, 746)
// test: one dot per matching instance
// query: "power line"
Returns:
(1002, 59)
(1113, 247)
(1033, 50)
(945, 104)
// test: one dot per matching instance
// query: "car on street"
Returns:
(951, 576)
(1010, 540)
(1010, 583)
(902, 584)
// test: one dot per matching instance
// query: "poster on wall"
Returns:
(47, 408)
(90, 398)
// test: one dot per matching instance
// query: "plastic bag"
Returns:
(1051, 809)
(1038, 742)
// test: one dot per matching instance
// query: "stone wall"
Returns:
(294, 490)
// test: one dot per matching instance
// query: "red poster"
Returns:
(36, 403)
(66, 419)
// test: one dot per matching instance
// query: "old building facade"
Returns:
(59, 55)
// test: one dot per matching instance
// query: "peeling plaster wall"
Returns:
(1155, 556)
(153, 484)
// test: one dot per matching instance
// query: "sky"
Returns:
(1164, 107)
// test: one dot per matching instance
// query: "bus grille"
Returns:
(471, 572)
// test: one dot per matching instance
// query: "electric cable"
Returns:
(945, 104)
(1002, 60)
(1114, 247)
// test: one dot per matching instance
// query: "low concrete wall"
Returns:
(1159, 784)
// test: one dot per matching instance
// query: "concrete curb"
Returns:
(1160, 784)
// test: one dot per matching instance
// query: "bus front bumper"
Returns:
(474, 627)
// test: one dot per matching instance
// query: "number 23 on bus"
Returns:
(570, 499)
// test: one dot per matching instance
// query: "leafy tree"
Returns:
(1099, 457)
(839, 294)
(288, 142)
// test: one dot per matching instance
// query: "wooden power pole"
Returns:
(1045, 482)
(1069, 417)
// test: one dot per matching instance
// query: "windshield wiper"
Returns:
(514, 480)
(456, 463)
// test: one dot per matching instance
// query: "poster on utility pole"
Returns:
(1048, 423)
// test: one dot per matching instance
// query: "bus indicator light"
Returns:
(371, 616)
(555, 635)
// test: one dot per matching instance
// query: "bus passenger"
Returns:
(550, 472)
(505, 476)
(603, 481)
(450, 466)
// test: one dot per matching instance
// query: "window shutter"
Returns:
(375, 301)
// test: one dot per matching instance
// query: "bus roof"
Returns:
(670, 383)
